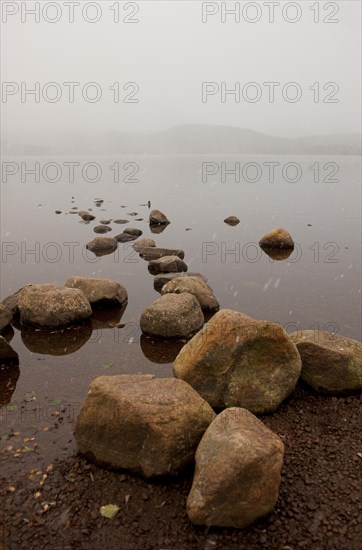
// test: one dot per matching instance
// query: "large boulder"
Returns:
(158, 218)
(99, 290)
(51, 306)
(278, 238)
(7, 355)
(167, 264)
(330, 363)
(101, 246)
(163, 278)
(195, 286)
(5, 317)
(236, 361)
(154, 253)
(142, 423)
(237, 475)
(172, 316)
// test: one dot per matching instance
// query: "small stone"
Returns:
(158, 218)
(278, 238)
(232, 220)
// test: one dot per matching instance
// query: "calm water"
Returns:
(317, 287)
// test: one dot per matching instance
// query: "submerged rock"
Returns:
(278, 238)
(330, 363)
(236, 361)
(238, 471)
(167, 264)
(195, 286)
(142, 423)
(86, 216)
(51, 306)
(121, 221)
(99, 290)
(158, 218)
(172, 316)
(232, 220)
(101, 246)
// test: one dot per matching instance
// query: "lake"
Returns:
(317, 199)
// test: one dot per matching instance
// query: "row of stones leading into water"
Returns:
(234, 364)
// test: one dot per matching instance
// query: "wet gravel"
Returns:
(57, 506)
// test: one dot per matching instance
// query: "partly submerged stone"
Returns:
(195, 286)
(232, 220)
(86, 216)
(99, 290)
(163, 278)
(158, 218)
(278, 238)
(50, 306)
(172, 316)
(101, 246)
(167, 264)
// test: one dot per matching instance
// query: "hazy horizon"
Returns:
(169, 54)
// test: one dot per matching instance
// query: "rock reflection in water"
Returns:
(58, 342)
(107, 317)
(8, 378)
(161, 351)
(157, 229)
(277, 254)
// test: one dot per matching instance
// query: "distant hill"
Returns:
(191, 139)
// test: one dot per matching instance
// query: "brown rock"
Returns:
(238, 361)
(133, 231)
(237, 475)
(167, 264)
(51, 306)
(278, 238)
(99, 290)
(142, 423)
(232, 220)
(172, 316)
(158, 218)
(154, 253)
(195, 286)
(86, 216)
(141, 244)
(101, 246)
(330, 363)
(102, 229)
(163, 278)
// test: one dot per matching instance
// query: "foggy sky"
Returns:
(169, 53)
